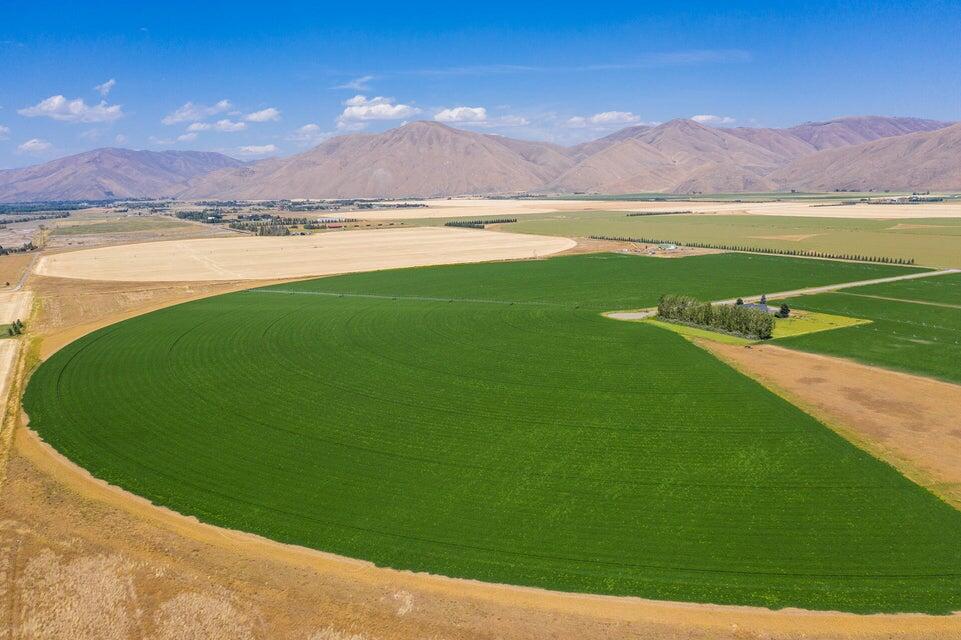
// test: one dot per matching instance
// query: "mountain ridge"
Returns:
(430, 159)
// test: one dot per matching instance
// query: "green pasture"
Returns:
(931, 242)
(922, 338)
(485, 421)
(120, 225)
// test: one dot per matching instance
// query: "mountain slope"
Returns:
(917, 161)
(779, 141)
(679, 156)
(109, 173)
(418, 159)
(843, 132)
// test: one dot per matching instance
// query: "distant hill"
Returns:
(843, 132)
(677, 156)
(417, 159)
(109, 173)
(916, 161)
(429, 159)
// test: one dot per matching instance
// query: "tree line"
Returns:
(478, 224)
(741, 320)
(635, 214)
(748, 249)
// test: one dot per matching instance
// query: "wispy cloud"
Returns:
(713, 120)
(104, 88)
(646, 61)
(4, 132)
(76, 110)
(229, 126)
(34, 145)
(309, 134)
(191, 112)
(357, 84)
(257, 150)
(264, 115)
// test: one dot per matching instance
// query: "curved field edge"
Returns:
(776, 522)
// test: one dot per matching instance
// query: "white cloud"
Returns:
(309, 134)
(104, 89)
(76, 110)
(120, 139)
(359, 109)
(708, 118)
(257, 150)
(614, 117)
(264, 115)
(34, 145)
(512, 121)
(357, 84)
(603, 120)
(229, 126)
(191, 112)
(198, 126)
(462, 114)
(4, 132)
(187, 137)
(160, 141)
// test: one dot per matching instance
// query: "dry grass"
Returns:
(256, 258)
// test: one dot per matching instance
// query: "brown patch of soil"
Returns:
(12, 267)
(591, 245)
(909, 421)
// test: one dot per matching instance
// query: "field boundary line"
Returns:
(907, 300)
(843, 285)
(641, 314)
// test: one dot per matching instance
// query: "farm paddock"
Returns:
(372, 315)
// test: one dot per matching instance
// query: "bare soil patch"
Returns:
(256, 258)
(909, 421)
(592, 245)
(12, 267)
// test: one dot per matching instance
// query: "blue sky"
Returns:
(259, 79)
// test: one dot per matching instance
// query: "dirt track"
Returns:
(80, 559)
(257, 258)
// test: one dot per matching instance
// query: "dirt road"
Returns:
(642, 314)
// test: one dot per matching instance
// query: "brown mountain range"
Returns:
(925, 160)
(103, 174)
(428, 159)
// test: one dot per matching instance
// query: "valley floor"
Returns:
(83, 560)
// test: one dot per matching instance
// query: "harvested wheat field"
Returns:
(480, 207)
(260, 258)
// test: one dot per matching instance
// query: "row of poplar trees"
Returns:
(737, 319)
